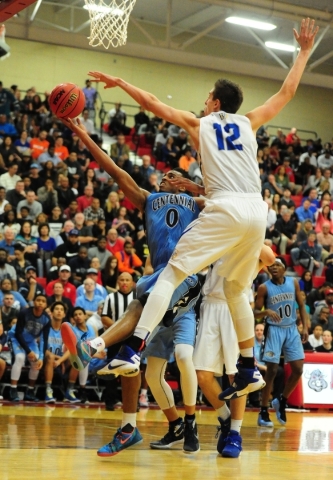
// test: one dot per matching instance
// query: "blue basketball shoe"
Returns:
(280, 410)
(222, 433)
(80, 351)
(126, 363)
(233, 446)
(264, 420)
(246, 380)
(120, 441)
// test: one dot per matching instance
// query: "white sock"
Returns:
(128, 418)
(223, 412)
(98, 343)
(143, 391)
(246, 352)
(236, 425)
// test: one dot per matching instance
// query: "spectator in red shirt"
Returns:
(292, 138)
(85, 200)
(69, 288)
(114, 243)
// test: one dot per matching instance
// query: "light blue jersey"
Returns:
(282, 300)
(54, 342)
(167, 216)
(90, 334)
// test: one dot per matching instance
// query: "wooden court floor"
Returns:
(42, 442)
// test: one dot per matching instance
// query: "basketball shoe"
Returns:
(29, 396)
(126, 363)
(174, 436)
(222, 433)
(70, 397)
(280, 409)
(80, 351)
(120, 441)
(49, 396)
(191, 438)
(264, 420)
(246, 380)
(233, 446)
(13, 395)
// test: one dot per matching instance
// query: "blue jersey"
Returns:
(90, 334)
(167, 216)
(282, 299)
(54, 342)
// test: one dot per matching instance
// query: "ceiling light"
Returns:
(104, 9)
(280, 46)
(246, 22)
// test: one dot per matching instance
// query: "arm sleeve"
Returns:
(19, 332)
(43, 341)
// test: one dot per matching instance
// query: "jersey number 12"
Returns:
(233, 130)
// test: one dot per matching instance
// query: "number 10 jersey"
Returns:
(228, 150)
(282, 299)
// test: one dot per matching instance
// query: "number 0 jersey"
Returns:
(228, 150)
(167, 216)
(282, 299)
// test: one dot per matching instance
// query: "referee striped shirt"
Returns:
(116, 303)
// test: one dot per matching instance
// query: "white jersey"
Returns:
(228, 150)
(213, 287)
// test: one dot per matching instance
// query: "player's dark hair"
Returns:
(52, 307)
(40, 295)
(230, 95)
(183, 172)
(78, 308)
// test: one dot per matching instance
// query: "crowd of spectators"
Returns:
(67, 230)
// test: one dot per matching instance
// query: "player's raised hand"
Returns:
(74, 124)
(110, 82)
(308, 31)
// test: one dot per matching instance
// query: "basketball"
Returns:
(67, 100)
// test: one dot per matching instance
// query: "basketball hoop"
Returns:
(109, 21)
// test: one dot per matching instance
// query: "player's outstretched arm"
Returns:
(131, 190)
(275, 104)
(148, 101)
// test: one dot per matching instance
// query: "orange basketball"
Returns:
(67, 100)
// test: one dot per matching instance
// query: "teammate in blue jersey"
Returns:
(278, 297)
(168, 213)
(31, 325)
(54, 355)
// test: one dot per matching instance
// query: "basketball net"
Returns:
(109, 21)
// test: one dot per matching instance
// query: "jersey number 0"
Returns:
(233, 134)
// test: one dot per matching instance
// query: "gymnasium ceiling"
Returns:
(194, 32)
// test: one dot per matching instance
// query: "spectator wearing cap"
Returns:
(99, 289)
(31, 288)
(100, 251)
(69, 249)
(6, 270)
(8, 180)
(79, 266)
(15, 195)
(90, 299)
(33, 181)
(69, 288)
(35, 207)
